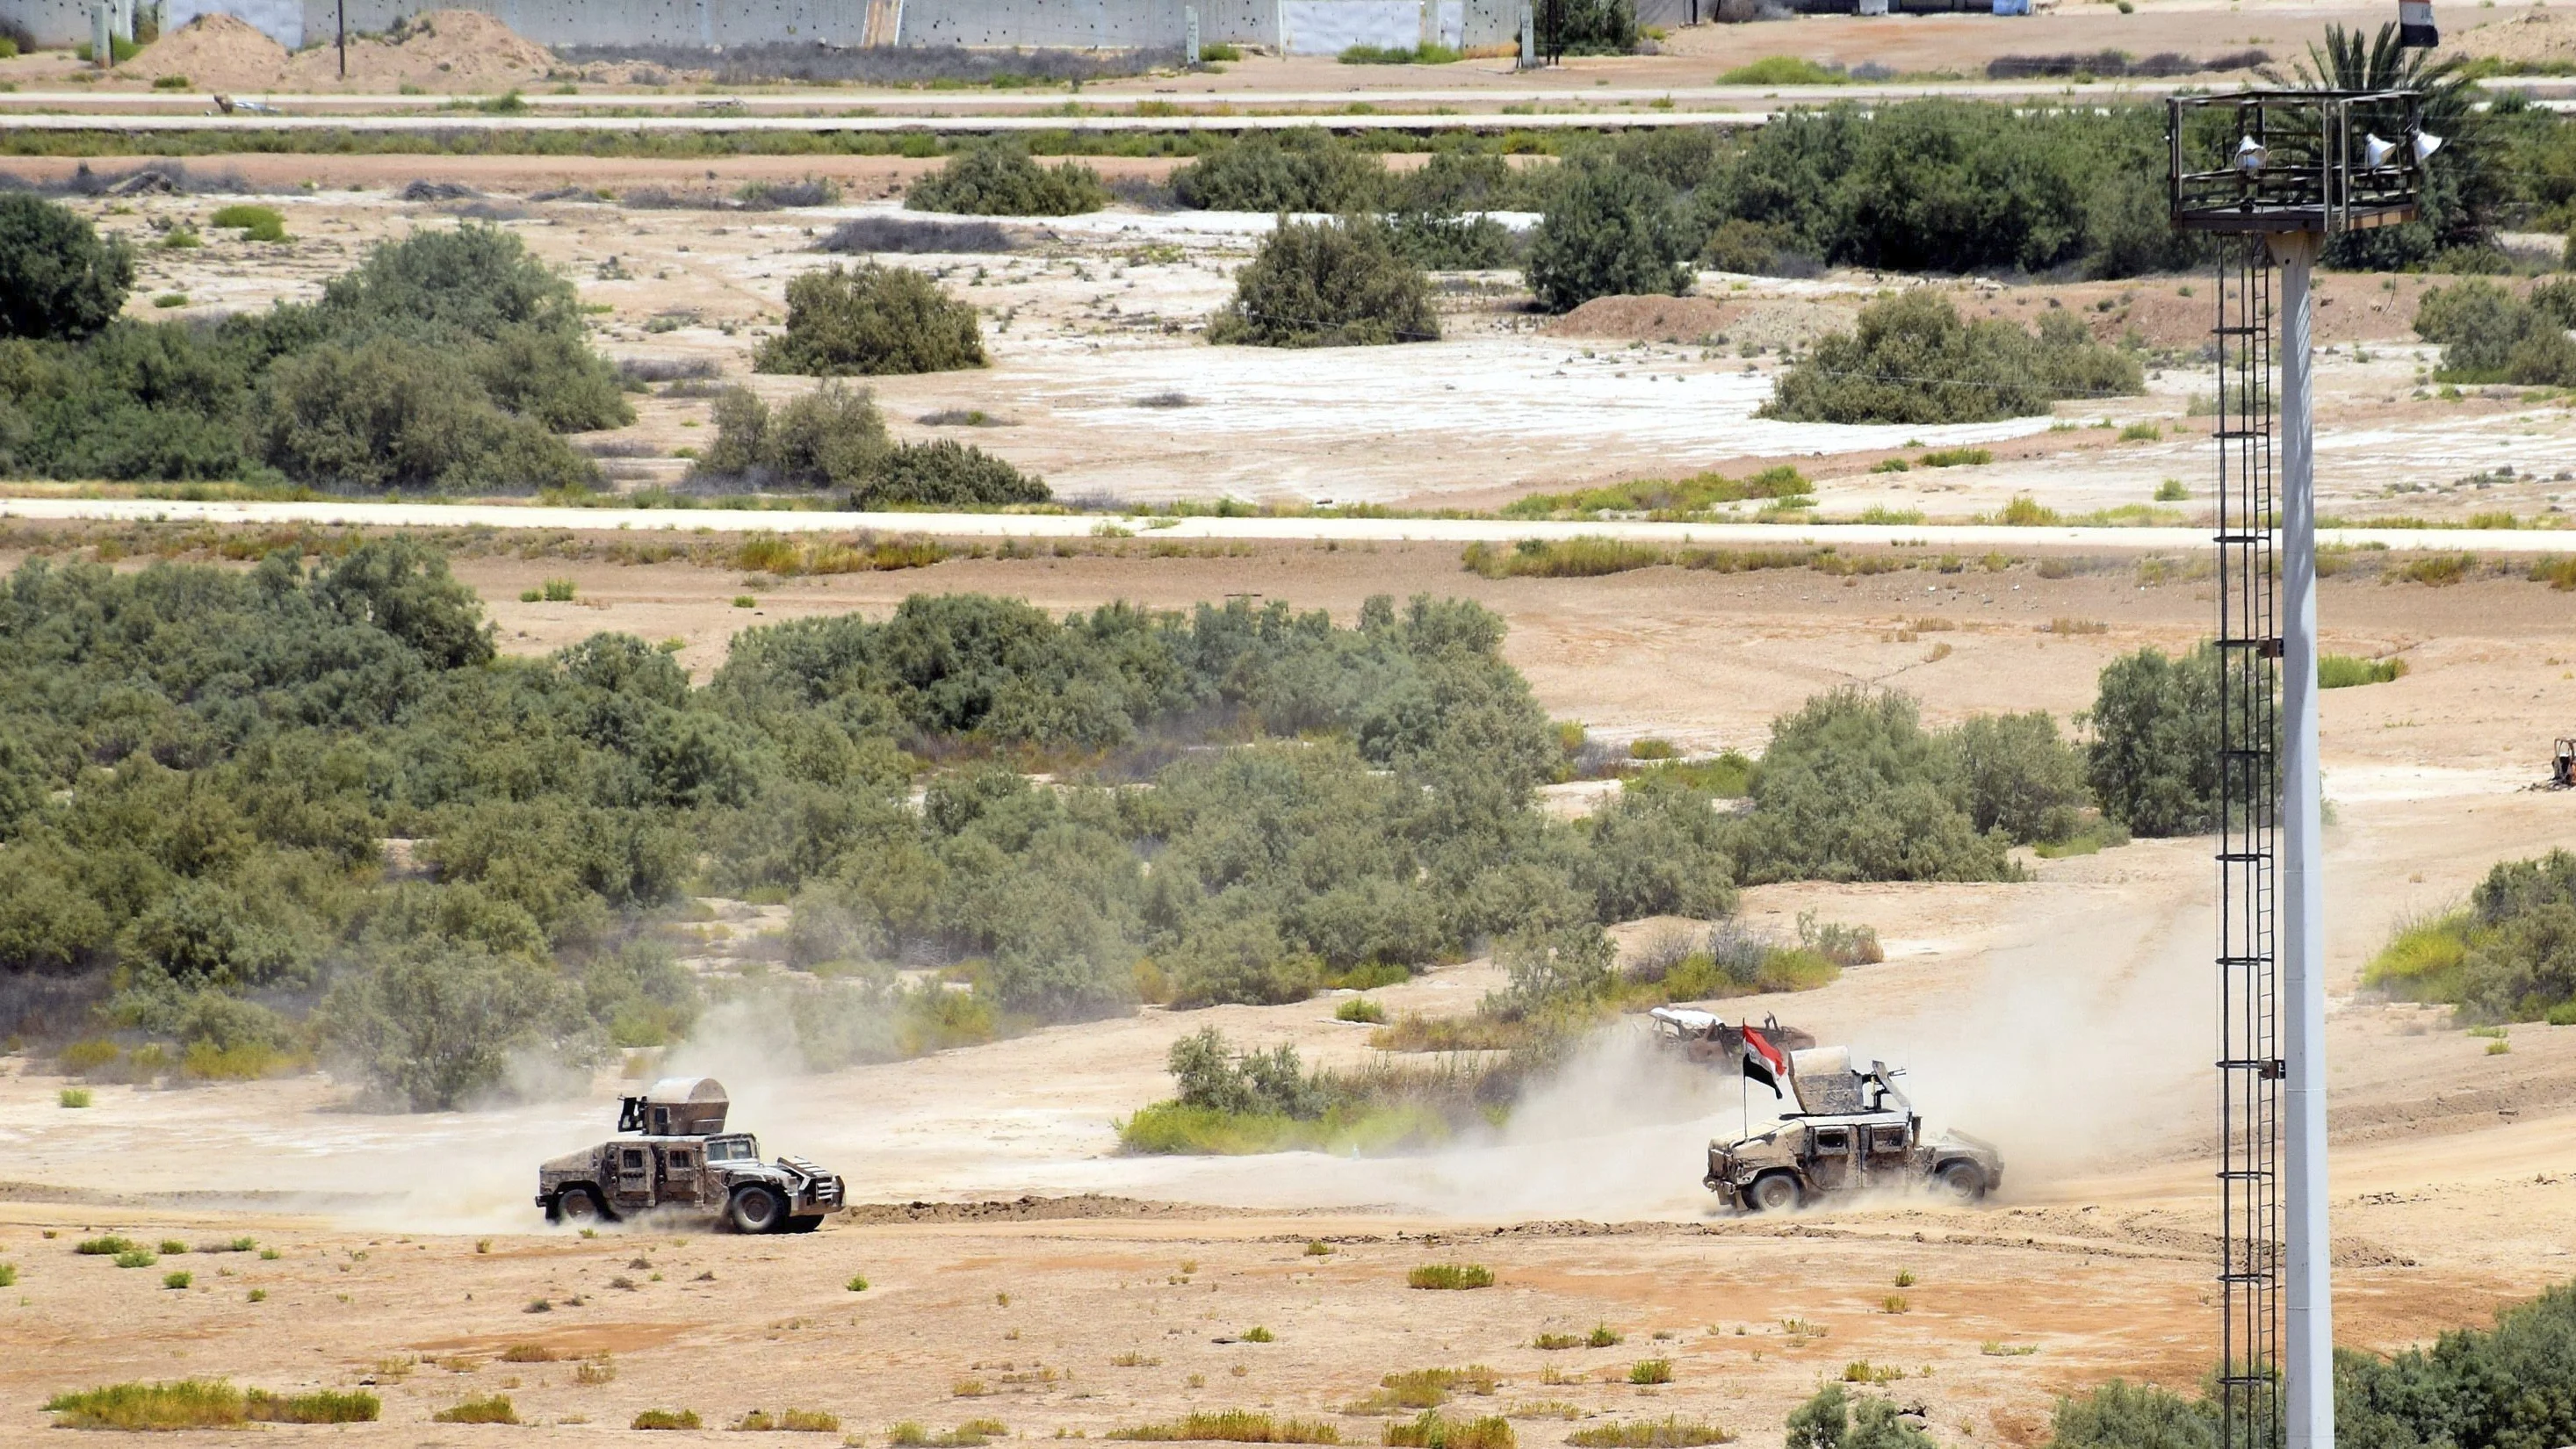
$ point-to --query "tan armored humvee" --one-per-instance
(685, 1160)
(1853, 1129)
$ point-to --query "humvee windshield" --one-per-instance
(733, 1149)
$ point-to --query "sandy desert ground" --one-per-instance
(1019, 1269)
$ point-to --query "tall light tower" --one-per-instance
(2271, 175)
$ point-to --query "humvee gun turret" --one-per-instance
(1853, 1130)
(684, 1160)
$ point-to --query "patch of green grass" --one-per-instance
(1783, 70)
(491, 1409)
(256, 223)
(1168, 1128)
(1360, 1008)
(169, 83)
(1424, 1389)
(1430, 1431)
(2172, 491)
(171, 1247)
(1231, 1426)
(103, 1247)
(8, 1275)
(137, 1258)
(1651, 1371)
(1578, 558)
(2425, 960)
(180, 1279)
(171, 299)
(2142, 433)
(2025, 512)
(184, 1404)
(789, 1421)
(1991, 1349)
(858, 1283)
(2439, 570)
(1258, 1334)
(1955, 458)
(1663, 498)
(2343, 671)
(1450, 1276)
(231, 1245)
(322, 1406)
(1397, 55)
(72, 1097)
(1673, 1432)
(667, 1419)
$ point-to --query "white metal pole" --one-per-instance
(2309, 1361)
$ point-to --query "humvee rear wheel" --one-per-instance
(1965, 1181)
(803, 1225)
(576, 1205)
(757, 1210)
(1775, 1192)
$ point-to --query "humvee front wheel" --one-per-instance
(1774, 1192)
(803, 1225)
(579, 1206)
(757, 1209)
(1962, 1180)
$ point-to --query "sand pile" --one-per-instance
(1652, 319)
(215, 52)
(443, 50)
(2531, 35)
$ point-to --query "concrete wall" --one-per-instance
(1077, 24)
(48, 23)
(615, 22)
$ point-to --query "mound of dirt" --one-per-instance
(442, 50)
(214, 51)
(2530, 36)
(1648, 319)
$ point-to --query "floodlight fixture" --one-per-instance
(2250, 154)
(2375, 152)
(2426, 143)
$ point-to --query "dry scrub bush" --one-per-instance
(871, 320)
(997, 178)
(1328, 284)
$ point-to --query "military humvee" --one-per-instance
(1853, 1130)
(685, 1160)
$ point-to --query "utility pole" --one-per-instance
(344, 38)
(2269, 176)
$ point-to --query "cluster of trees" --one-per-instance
(835, 438)
(2500, 1388)
(449, 360)
(997, 178)
(2489, 334)
(1913, 359)
(2508, 955)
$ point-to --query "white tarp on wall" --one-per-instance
(280, 20)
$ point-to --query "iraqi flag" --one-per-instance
(1764, 1062)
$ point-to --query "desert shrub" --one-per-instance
(1327, 284)
(903, 234)
(58, 279)
(2345, 671)
(1609, 231)
(997, 178)
(2490, 1388)
(395, 414)
(1211, 1075)
(1231, 1426)
(832, 437)
(948, 474)
(255, 222)
(1853, 788)
(1292, 171)
(1589, 27)
(2510, 956)
(2123, 1415)
(433, 1028)
(2490, 335)
(666, 1419)
(1913, 360)
(1450, 1276)
(871, 320)
(1671, 1432)
(490, 1409)
(1830, 1419)
(2018, 776)
(321, 1406)
(1445, 241)
(2153, 760)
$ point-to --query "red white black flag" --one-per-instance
(1764, 1062)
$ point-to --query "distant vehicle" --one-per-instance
(1853, 1130)
(684, 1160)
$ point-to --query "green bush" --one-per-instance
(435, 1027)
(2510, 956)
(1830, 1419)
(2019, 776)
(1853, 788)
(871, 320)
(1609, 231)
(1290, 171)
(254, 222)
(2490, 335)
(58, 279)
(2153, 761)
(1913, 360)
(834, 437)
(997, 178)
(1327, 284)
(2122, 1415)
(390, 413)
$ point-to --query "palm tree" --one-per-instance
(2460, 195)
